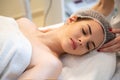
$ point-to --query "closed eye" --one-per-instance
(84, 32)
(90, 43)
(87, 46)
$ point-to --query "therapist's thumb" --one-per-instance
(113, 30)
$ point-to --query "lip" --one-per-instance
(74, 45)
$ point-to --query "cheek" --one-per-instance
(98, 39)
(76, 31)
(81, 51)
(68, 48)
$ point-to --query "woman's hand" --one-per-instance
(114, 45)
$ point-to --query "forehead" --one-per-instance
(97, 32)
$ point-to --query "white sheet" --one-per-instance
(93, 66)
(116, 75)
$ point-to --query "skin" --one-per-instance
(42, 66)
(82, 37)
(48, 46)
(104, 6)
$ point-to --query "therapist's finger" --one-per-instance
(114, 48)
(110, 50)
(113, 42)
(115, 30)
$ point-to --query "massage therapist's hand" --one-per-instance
(114, 45)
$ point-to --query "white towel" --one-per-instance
(15, 50)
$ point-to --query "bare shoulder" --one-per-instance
(42, 56)
(26, 26)
(44, 62)
(24, 22)
(23, 19)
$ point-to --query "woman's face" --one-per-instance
(82, 36)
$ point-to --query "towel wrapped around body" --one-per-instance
(15, 50)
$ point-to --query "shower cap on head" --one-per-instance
(101, 20)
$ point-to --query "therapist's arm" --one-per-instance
(104, 6)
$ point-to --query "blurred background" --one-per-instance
(43, 12)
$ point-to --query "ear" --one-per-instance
(71, 19)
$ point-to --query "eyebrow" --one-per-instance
(90, 31)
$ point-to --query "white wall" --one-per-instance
(15, 8)
(56, 13)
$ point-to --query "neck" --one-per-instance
(52, 40)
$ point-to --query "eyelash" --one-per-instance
(84, 32)
(87, 46)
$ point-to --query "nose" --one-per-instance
(83, 40)
(80, 43)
